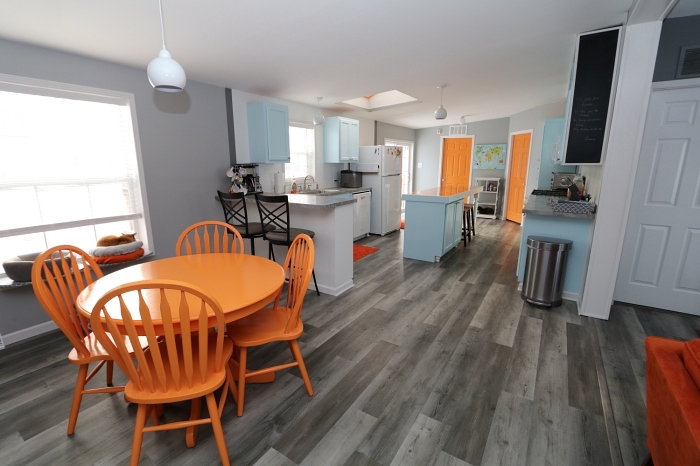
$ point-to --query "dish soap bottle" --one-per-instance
(294, 188)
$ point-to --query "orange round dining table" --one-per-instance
(241, 283)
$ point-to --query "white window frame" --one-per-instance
(305, 125)
(26, 85)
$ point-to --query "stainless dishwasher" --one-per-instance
(361, 217)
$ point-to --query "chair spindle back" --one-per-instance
(59, 274)
(185, 311)
(299, 265)
(209, 237)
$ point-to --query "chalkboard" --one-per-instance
(590, 107)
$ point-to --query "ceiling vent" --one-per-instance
(689, 64)
(458, 130)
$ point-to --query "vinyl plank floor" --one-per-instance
(436, 364)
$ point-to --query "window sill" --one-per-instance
(6, 283)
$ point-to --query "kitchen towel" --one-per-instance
(279, 183)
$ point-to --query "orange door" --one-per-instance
(456, 164)
(520, 155)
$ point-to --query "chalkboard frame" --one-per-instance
(579, 156)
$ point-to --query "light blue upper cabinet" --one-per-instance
(341, 140)
(268, 132)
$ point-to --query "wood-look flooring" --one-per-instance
(418, 364)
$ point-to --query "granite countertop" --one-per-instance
(310, 201)
(541, 205)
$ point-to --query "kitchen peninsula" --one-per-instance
(434, 222)
(331, 219)
(540, 219)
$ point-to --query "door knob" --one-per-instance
(442, 179)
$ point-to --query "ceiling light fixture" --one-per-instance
(164, 73)
(319, 119)
(463, 120)
(441, 113)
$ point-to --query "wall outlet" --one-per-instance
(420, 164)
(2, 343)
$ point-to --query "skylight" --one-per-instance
(381, 101)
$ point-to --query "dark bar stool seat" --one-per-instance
(274, 212)
(468, 223)
(236, 215)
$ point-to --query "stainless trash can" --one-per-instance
(544, 270)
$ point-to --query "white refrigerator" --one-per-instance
(381, 171)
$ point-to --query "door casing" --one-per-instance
(507, 172)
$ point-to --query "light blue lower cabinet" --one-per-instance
(431, 228)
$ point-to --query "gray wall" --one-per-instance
(385, 130)
(428, 149)
(184, 143)
(675, 33)
(534, 119)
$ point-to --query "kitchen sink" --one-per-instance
(310, 191)
(332, 191)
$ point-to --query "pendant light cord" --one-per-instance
(162, 29)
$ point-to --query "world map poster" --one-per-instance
(490, 156)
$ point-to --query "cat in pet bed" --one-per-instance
(112, 240)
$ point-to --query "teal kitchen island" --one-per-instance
(433, 222)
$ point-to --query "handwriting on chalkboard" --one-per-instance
(588, 111)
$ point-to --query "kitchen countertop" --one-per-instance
(541, 205)
(310, 201)
(441, 195)
(313, 201)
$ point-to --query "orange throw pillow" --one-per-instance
(120, 258)
(691, 359)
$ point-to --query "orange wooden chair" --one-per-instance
(197, 239)
(58, 276)
(277, 323)
(185, 360)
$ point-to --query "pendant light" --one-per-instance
(164, 73)
(319, 119)
(441, 113)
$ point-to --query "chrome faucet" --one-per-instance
(305, 178)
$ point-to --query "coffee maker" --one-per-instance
(251, 179)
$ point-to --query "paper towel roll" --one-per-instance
(279, 183)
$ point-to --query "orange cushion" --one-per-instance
(691, 359)
(120, 258)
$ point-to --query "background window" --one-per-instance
(302, 148)
(69, 169)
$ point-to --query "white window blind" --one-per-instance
(68, 169)
(302, 148)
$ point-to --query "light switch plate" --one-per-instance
(420, 164)
(439, 131)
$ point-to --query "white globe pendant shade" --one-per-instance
(440, 113)
(319, 119)
(165, 74)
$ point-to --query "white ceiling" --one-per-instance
(497, 57)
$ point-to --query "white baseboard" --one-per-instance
(337, 291)
(29, 332)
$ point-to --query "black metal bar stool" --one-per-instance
(236, 215)
(274, 212)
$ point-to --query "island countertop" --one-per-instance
(541, 205)
(441, 195)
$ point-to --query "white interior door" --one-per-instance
(660, 262)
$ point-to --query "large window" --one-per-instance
(69, 170)
(302, 148)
